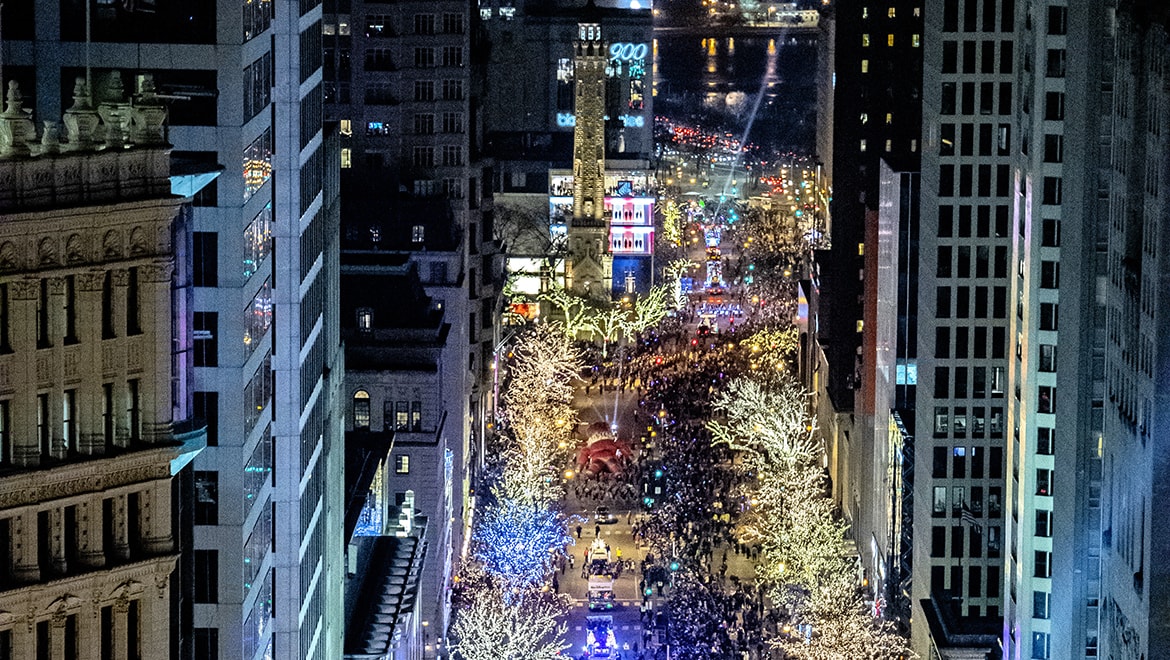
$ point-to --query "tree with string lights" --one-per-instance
(529, 626)
(518, 543)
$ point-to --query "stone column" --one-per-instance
(57, 634)
(89, 332)
(155, 615)
(89, 534)
(26, 449)
(121, 548)
(57, 544)
(24, 547)
(154, 294)
(121, 641)
(155, 517)
(89, 628)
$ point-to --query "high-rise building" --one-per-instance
(1134, 598)
(870, 79)
(965, 241)
(1059, 231)
(243, 89)
(95, 435)
(398, 79)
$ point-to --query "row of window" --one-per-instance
(61, 412)
(50, 325)
(969, 342)
(915, 40)
(963, 461)
(971, 9)
(986, 60)
(59, 534)
(955, 422)
(452, 155)
(49, 636)
(952, 103)
(425, 24)
(956, 261)
(205, 250)
(396, 415)
(991, 138)
(970, 510)
(974, 547)
(1000, 181)
(961, 296)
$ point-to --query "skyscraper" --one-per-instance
(1059, 233)
(243, 89)
(1134, 599)
(962, 345)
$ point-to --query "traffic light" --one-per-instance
(648, 501)
(674, 565)
(658, 473)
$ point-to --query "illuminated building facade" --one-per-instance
(95, 386)
(969, 91)
(1060, 232)
(242, 81)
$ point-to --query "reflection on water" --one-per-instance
(718, 80)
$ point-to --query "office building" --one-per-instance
(1060, 231)
(1134, 600)
(869, 79)
(95, 384)
(242, 85)
(969, 94)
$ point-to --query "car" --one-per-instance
(603, 516)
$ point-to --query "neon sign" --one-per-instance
(569, 120)
(628, 51)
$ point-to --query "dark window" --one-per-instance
(134, 409)
(133, 322)
(5, 448)
(1005, 56)
(944, 261)
(1056, 63)
(43, 315)
(947, 105)
(942, 342)
(70, 309)
(951, 16)
(108, 416)
(942, 377)
(968, 57)
(946, 180)
(945, 221)
(950, 57)
(108, 306)
(942, 302)
(995, 463)
(939, 470)
(206, 326)
(1048, 320)
(938, 541)
(5, 321)
(206, 498)
(205, 258)
(44, 431)
(1054, 106)
(1057, 20)
(206, 576)
(206, 643)
(1053, 148)
(1005, 98)
(1045, 441)
(1053, 193)
(206, 408)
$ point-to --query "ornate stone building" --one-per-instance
(93, 383)
(589, 268)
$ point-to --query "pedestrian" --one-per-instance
(578, 531)
(596, 530)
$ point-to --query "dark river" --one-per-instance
(716, 81)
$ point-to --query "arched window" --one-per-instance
(361, 411)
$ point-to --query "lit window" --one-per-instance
(889, 145)
(890, 40)
(365, 319)
(865, 117)
(860, 326)
(417, 233)
(402, 464)
(865, 66)
(863, 145)
(865, 40)
(915, 40)
(889, 118)
(346, 158)
(891, 12)
(346, 127)
(861, 249)
(361, 410)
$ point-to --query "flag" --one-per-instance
(969, 517)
